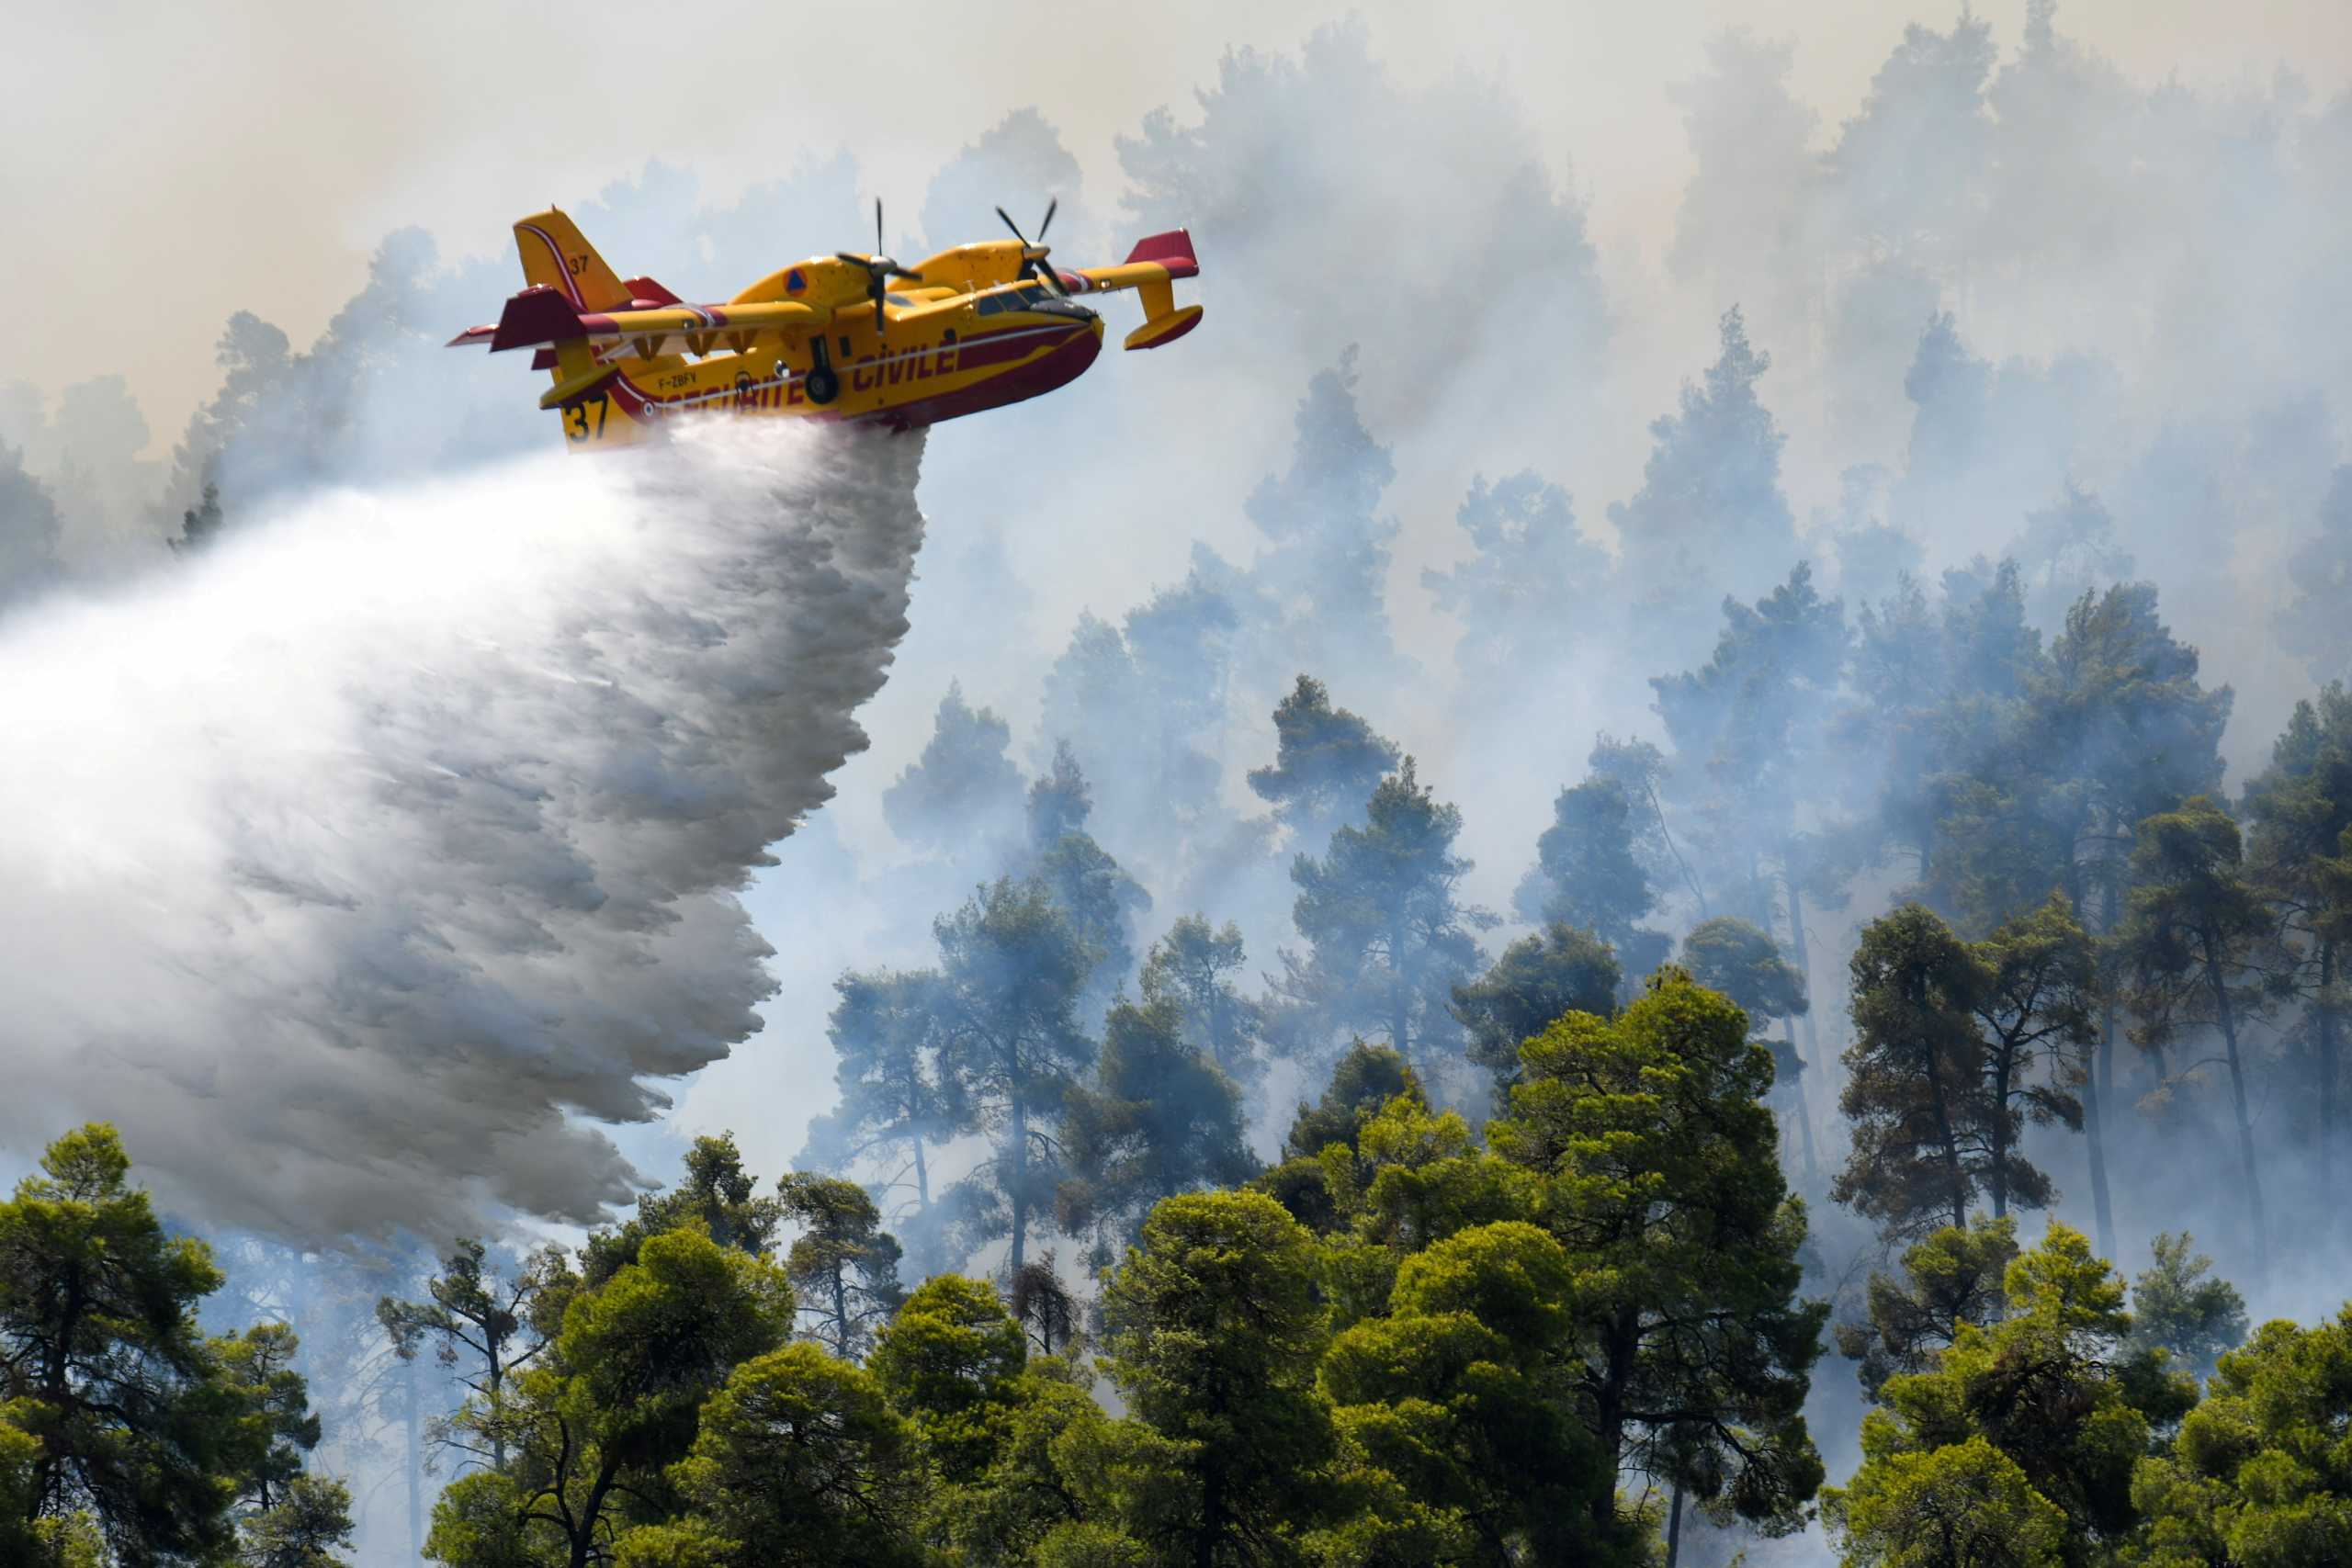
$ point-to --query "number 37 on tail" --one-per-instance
(841, 337)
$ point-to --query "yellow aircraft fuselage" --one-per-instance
(969, 329)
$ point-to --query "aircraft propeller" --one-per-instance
(1029, 266)
(879, 269)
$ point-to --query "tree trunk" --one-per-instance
(415, 1458)
(2326, 1022)
(57, 1360)
(2102, 1210)
(1400, 1007)
(1212, 1516)
(2098, 1093)
(1020, 1181)
(586, 1541)
(1620, 1341)
(1674, 1527)
(922, 1175)
(1812, 1057)
(1804, 1111)
(2228, 1019)
(1950, 1144)
(496, 1380)
(2000, 1171)
(840, 1312)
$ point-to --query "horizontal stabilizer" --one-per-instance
(539, 314)
(644, 294)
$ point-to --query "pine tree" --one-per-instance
(591, 1429)
(1539, 979)
(1212, 1333)
(1528, 559)
(961, 788)
(718, 1191)
(1326, 763)
(843, 1267)
(1328, 569)
(130, 1426)
(2041, 1417)
(1011, 970)
(1588, 873)
(200, 524)
(2176, 1308)
(496, 1317)
(2299, 853)
(1710, 514)
(2194, 924)
(1730, 955)
(2038, 1013)
(1189, 967)
(1388, 939)
(900, 1090)
(1096, 895)
(1161, 1118)
(1694, 1352)
(799, 1461)
(1915, 1077)
(1951, 1277)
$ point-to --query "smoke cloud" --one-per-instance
(359, 868)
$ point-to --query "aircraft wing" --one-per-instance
(540, 317)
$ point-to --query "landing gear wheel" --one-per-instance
(823, 386)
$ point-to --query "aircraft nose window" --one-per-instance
(997, 304)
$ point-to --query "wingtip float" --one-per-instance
(840, 337)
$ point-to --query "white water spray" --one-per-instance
(359, 865)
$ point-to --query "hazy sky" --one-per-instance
(169, 166)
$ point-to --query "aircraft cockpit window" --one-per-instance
(1034, 293)
(898, 300)
(997, 304)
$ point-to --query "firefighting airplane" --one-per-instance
(972, 328)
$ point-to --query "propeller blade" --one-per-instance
(1053, 204)
(878, 225)
(1009, 223)
(853, 260)
(879, 328)
(902, 272)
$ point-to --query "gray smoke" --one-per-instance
(359, 868)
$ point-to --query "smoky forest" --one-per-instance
(1534, 904)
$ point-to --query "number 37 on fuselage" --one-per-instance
(843, 337)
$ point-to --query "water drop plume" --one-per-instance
(359, 867)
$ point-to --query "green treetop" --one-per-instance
(2177, 1307)
(2261, 1473)
(136, 1423)
(1663, 1184)
(843, 1267)
(2045, 1410)
(718, 1192)
(1556, 971)
(591, 1430)
(1212, 1333)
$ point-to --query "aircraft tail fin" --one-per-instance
(1163, 322)
(1173, 250)
(556, 254)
